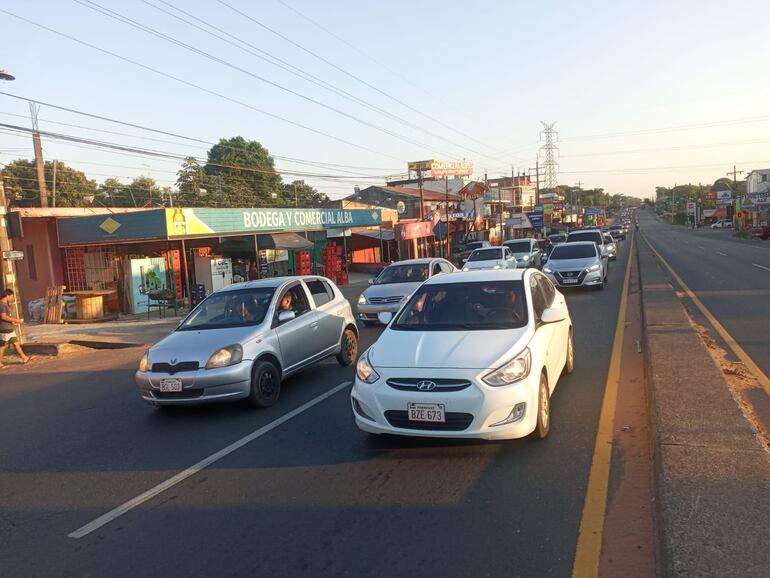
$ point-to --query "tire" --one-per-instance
(569, 365)
(348, 348)
(543, 425)
(265, 385)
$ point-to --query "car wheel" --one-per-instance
(348, 348)
(265, 385)
(569, 366)
(543, 425)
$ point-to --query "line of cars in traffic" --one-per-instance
(471, 354)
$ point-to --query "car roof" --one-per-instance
(488, 248)
(269, 283)
(578, 243)
(420, 261)
(479, 275)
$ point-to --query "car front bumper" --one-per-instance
(584, 280)
(200, 386)
(379, 408)
(369, 311)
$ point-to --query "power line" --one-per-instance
(144, 28)
(351, 75)
(284, 65)
(196, 86)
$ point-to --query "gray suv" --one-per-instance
(241, 341)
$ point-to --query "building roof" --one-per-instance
(428, 195)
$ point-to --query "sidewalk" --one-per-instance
(135, 330)
(712, 473)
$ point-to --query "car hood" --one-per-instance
(571, 264)
(391, 289)
(197, 345)
(448, 349)
(483, 264)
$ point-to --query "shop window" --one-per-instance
(29, 255)
(320, 291)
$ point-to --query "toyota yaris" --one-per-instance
(469, 355)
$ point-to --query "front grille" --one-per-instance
(184, 394)
(176, 368)
(442, 385)
(579, 275)
(455, 421)
(379, 300)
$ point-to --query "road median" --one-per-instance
(712, 472)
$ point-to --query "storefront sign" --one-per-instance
(691, 208)
(593, 211)
(756, 199)
(472, 191)
(536, 219)
(518, 221)
(547, 208)
(13, 255)
(447, 169)
(417, 230)
(186, 222)
(420, 165)
(117, 228)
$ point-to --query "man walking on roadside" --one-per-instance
(8, 329)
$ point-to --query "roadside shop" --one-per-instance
(168, 257)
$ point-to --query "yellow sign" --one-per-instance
(110, 225)
(740, 214)
(420, 165)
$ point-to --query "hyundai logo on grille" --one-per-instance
(426, 385)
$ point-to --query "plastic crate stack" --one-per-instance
(331, 256)
(303, 264)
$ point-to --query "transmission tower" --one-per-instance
(550, 166)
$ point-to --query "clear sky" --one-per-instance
(449, 80)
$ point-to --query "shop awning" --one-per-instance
(288, 241)
(387, 234)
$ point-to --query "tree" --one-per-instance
(300, 194)
(193, 184)
(242, 173)
(146, 191)
(73, 188)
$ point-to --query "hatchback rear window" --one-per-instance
(486, 254)
(594, 236)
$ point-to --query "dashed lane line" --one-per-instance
(761, 267)
(196, 468)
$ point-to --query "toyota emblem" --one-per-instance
(426, 385)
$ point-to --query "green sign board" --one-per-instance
(201, 222)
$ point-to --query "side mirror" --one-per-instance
(384, 317)
(553, 315)
(285, 316)
(465, 260)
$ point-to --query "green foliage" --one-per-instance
(300, 194)
(21, 186)
(242, 173)
(195, 187)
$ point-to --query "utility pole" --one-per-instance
(446, 198)
(8, 265)
(296, 201)
(220, 200)
(735, 174)
(38, 148)
(422, 198)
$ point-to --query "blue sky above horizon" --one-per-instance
(476, 81)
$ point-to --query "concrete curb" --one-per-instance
(711, 472)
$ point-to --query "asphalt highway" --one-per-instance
(312, 496)
(730, 276)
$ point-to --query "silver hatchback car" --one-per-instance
(241, 341)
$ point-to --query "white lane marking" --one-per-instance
(720, 253)
(761, 267)
(701, 247)
(204, 463)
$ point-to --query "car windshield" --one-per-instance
(594, 236)
(486, 254)
(558, 238)
(570, 251)
(241, 308)
(519, 246)
(473, 246)
(408, 273)
(465, 306)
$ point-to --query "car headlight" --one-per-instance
(225, 357)
(365, 371)
(497, 267)
(594, 267)
(361, 299)
(466, 269)
(513, 371)
(144, 363)
(547, 270)
(525, 258)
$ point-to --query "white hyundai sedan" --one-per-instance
(470, 355)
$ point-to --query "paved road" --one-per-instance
(730, 276)
(313, 497)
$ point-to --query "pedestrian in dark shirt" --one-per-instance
(8, 329)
